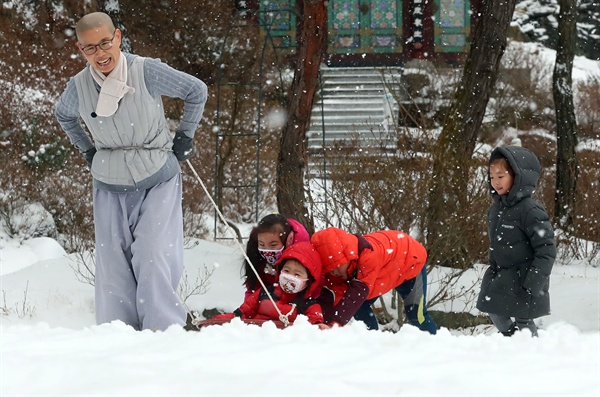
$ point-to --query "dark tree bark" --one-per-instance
(447, 228)
(293, 154)
(115, 13)
(566, 124)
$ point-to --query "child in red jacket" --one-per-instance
(361, 268)
(264, 248)
(300, 282)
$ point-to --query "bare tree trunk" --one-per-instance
(566, 124)
(448, 223)
(113, 9)
(293, 148)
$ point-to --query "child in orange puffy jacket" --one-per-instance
(300, 282)
(361, 268)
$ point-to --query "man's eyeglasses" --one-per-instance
(104, 45)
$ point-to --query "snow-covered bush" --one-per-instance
(23, 220)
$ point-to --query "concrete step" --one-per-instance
(365, 79)
(360, 72)
(355, 77)
(355, 101)
(317, 131)
(375, 144)
(352, 106)
(362, 134)
(351, 95)
(351, 120)
(363, 142)
(339, 123)
(347, 91)
(351, 79)
(351, 110)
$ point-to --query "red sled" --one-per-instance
(205, 323)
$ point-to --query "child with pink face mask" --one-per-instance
(264, 248)
(300, 280)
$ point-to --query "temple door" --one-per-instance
(365, 26)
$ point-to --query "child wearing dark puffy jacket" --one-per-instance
(300, 281)
(514, 289)
(265, 245)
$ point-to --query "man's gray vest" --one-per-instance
(134, 144)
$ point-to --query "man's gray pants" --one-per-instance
(139, 256)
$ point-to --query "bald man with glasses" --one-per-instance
(134, 162)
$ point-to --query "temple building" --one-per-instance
(380, 32)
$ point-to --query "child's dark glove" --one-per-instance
(183, 148)
(89, 156)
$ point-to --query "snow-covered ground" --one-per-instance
(51, 346)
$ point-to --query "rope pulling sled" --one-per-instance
(283, 318)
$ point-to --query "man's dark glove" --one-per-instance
(89, 156)
(183, 147)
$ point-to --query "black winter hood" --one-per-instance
(527, 169)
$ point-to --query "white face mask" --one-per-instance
(291, 284)
(271, 256)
